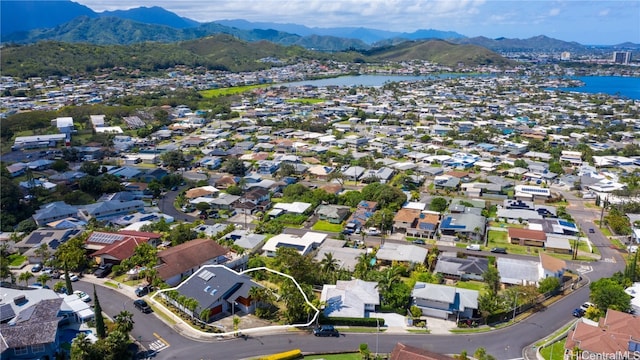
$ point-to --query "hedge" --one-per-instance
(287, 355)
(343, 321)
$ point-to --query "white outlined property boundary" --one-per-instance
(216, 336)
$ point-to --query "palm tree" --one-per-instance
(43, 252)
(44, 279)
(329, 263)
(191, 304)
(124, 321)
(204, 315)
(25, 276)
(362, 267)
(389, 277)
(80, 347)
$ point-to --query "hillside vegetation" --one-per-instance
(218, 52)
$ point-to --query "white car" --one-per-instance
(372, 231)
(632, 249)
(82, 295)
(72, 277)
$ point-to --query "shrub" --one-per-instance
(369, 322)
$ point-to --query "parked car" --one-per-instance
(578, 312)
(474, 247)
(591, 231)
(419, 242)
(36, 268)
(632, 249)
(326, 330)
(103, 270)
(82, 295)
(587, 305)
(72, 277)
(142, 306)
(499, 250)
(142, 290)
(372, 231)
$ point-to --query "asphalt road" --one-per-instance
(505, 343)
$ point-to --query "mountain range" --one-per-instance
(29, 21)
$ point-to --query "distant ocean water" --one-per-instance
(623, 86)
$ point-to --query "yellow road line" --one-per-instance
(161, 339)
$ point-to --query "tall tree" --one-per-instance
(491, 278)
(67, 280)
(97, 309)
(608, 294)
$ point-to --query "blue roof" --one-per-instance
(426, 226)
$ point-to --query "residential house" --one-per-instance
(295, 207)
(446, 182)
(52, 238)
(110, 209)
(529, 192)
(346, 257)
(218, 289)
(183, 260)
(225, 181)
(334, 214)
(405, 219)
(613, 336)
(54, 211)
(404, 253)
(202, 191)
(354, 173)
(468, 225)
(364, 211)
(99, 240)
(530, 272)
(320, 172)
(254, 200)
(246, 239)
(445, 302)
(469, 268)
(32, 333)
(303, 244)
(353, 298)
(527, 237)
(118, 250)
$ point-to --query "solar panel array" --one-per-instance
(6, 312)
(105, 238)
(205, 275)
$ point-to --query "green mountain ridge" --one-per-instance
(217, 52)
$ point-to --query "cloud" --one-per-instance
(554, 12)
(604, 12)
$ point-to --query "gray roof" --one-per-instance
(459, 299)
(36, 324)
(348, 298)
(400, 252)
(214, 283)
(516, 271)
(346, 257)
(54, 210)
(459, 266)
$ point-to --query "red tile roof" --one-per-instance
(193, 253)
(610, 336)
(527, 234)
(406, 352)
(121, 250)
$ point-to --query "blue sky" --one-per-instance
(602, 22)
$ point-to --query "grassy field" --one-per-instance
(322, 225)
(231, 90)
(305, 101)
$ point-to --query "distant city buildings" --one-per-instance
(622, 57)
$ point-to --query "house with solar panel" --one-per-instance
(221, 290)
(50, 237)
(468, 225)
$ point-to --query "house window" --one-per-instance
(38, 348)
(22, 350)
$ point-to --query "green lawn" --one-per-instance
(471, 285)
(557, 348)
(322, 225)
(348, 356)
(16, 259)
(500, 239)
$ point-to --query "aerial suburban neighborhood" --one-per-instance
(469, 200)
